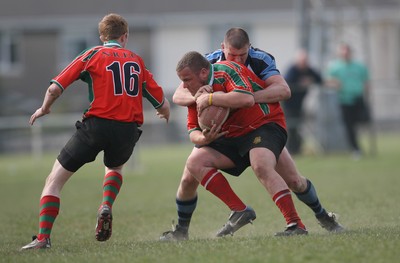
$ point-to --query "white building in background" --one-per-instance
(38, 38)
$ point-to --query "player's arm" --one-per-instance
(205, 137)
(164, 111)
(276, 89)
(52, 94)
(198, 136)
(155, 95)
(233, 100)
(182, 96)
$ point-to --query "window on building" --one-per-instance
(10, 52)
(140, 43)
(74, 42)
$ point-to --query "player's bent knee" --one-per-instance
(193, 165)
(262, 170)
(189, 181)
(296, 186)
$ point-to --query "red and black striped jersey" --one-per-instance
(117, 82)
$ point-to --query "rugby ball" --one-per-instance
(213, 115)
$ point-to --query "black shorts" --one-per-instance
(270, 136)
(93, 135)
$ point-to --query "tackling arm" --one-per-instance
(231, 100)
(182, 96)
(276, 90)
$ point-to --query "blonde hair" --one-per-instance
(112, 27)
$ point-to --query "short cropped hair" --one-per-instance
(194, 61)
(112, 27)
(237, 38)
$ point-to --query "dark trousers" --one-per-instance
(295, 139)
(350, 119)
(294, 121)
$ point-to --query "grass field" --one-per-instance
(364, 193)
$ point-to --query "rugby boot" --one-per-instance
(104, 223)
(237, 220)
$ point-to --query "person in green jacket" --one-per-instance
(351, 79)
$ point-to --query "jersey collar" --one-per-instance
(222, 57)
(211, 75)
(112, 43)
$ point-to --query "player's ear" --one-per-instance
(204, 73)
(124, 39)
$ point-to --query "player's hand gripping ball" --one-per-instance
(213, 115)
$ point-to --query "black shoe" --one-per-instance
(329, 222)
(237, 220)
(178, 233)
(292, 230)
(104, 223)
(37, 244)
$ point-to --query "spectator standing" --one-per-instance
(300, 78)
(351, 79)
